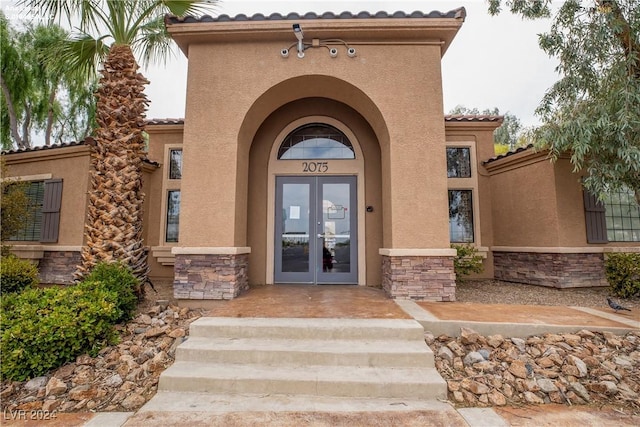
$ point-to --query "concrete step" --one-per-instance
(315, 329)
(347, 381)
(298, 352)
(249, 402)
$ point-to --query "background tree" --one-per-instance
(109, 31)
(593, 110)
(508, 136)
(39, 93)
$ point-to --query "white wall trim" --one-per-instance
(566, 250)
(232, 250)
(25, 178)
(417, 252)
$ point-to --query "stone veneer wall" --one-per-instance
(429, 278)
(210, 276)
(558, 270)
(57, 267)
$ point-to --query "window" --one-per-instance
(462, 184)
(622, 216)
(316, 141)
(175, 164)
(173, 215)
(171, 189)
(33, 222)
(458, 162)
(460, 216)
(43, 219)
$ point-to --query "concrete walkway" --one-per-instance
(264, 409)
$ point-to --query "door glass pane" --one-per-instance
(336, 225)
(295, 227)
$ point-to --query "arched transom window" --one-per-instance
(316, 141)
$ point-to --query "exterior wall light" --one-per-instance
(333, 52)
(351, 52)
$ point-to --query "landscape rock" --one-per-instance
(113, 380)
(585, 367)
(35, 384)
(55, 387)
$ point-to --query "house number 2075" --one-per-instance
(319, 167)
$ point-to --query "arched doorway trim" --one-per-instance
(296, 167)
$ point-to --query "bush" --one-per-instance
(41, 329)
(623, 274)
(119, 279)
(16, 274)
(467, 260)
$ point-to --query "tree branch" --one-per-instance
(13, 120)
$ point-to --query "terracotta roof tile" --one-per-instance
(43, 147)
(472, 118)
(455, 13)
(164, 122)
(508, 153)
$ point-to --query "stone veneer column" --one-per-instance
(419, 274)
(558, 270)
(210, 273)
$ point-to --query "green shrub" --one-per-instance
(623, 274)
(41, 329)
(117, 278)
(467, 260)
(16, 274)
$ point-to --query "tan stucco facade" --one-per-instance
(381, 88)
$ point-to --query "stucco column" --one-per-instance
(417, 261)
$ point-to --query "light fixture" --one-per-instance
(299, 35)
(351, 52)
(333, 52)
(284, 53)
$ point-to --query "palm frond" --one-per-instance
(153, 44)
(81, 52)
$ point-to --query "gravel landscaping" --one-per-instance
(581, 368)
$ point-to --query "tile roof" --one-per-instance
(455, 13)
(472, 118)
(43, 147)
(508, 153)
(61, 145)
(164, 122)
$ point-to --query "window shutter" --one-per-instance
(51, 210)
(594, 212)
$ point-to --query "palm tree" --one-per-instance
(109, 33)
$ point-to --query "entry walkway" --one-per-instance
(354, 302)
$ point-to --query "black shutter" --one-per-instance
(51, 210)
(594, 215)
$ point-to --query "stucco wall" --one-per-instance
(223, 88)
(71, 164)
(525, 202)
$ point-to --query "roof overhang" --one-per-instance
(363, 28)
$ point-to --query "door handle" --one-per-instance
(320, 236)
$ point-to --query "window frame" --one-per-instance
(168, 185)
(466, 184)
(610, 217)
(331, 129)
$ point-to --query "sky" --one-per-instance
(492, 62)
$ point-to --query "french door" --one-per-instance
(316, 239)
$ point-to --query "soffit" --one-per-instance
(362, 28)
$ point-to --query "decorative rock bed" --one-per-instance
(120, 378)
(582, 368)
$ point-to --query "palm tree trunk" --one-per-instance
(113, 228)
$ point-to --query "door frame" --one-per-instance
(316, 197)
(342, 167)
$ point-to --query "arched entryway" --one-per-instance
(334, 184)
(316, 168)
